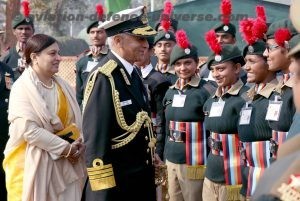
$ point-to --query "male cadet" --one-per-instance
(116, 116)
(23, 29)
(157, 86)
(6, 80)
(225, 32)
(96, 53)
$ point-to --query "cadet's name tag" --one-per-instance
(245, 116)
(178, 100)
(90, 65)
(273, 111)
(127, 102)
(216, 109)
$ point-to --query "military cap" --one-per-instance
(25, 18)
(22, 20)
(281, 181)
(174, 24)
(100, 12)
(294, 44)
(285, 23)
(164, 36)
(223, 28)
(183, 48)
(133, 21)
(256, 48)
(229, 52)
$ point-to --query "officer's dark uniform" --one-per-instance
(82, 72)
(12, 57)
(158, 86)
(117, 126)
(6, 80)
(168, 71)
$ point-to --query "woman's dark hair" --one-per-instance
(36, 44)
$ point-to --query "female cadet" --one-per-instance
(185, 148)
(281, 108)
(223, 177)
(253, 128)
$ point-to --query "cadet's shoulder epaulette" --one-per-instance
(108, 67)
(210, 88)
(245, 97)
(105, 69)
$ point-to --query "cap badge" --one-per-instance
(187, 50)
(225, 28)
(250, 49)
(218, 58)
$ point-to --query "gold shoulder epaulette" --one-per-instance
(101, 176)
(106, 69)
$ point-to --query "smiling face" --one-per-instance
(46, 63)
(185, 68)
(226, 74)
(256, 68)
(130, 47)
(163, 49)
(276, 57)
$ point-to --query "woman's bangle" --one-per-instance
(69, 152)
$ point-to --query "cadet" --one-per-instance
(185, 148)
(164, 42)
(91, 59)
(225, 32)
(223, 176)
(23, 29)
(253, 129)
(294, 68)
(6, 81)
(116, 117)
(156, 85)
(281, 109)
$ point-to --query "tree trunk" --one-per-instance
(12, 9)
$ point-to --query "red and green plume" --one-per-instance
(212, 42)
(182, 39)
(26, 8)
(100, 10)
(225, 9)
(281, 36)
(166, 16)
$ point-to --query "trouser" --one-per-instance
(215, 191)
(181, 188)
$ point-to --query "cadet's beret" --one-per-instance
(133, 21)
(294, 44)
(22, 20)
(285, 23)
(256, 48)
(229, 52)
(222, 28)
(281, 180)
(100, 12)
(183, 49)
(174, 24)
(163, 36)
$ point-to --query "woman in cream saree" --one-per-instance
(43, 156)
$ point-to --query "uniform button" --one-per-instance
(7, 111)
(148, 150)
(146, 137)
(147, 162)
(6, 100)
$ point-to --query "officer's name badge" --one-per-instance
(127, 102)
